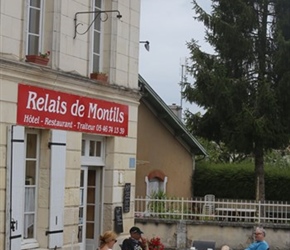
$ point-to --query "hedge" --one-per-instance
(237, 181)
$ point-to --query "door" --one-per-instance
(90, 208)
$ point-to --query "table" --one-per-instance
(235, 214)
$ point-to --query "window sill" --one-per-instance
(29, 244)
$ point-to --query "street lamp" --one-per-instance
(146, 45)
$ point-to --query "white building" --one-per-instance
(67, 142)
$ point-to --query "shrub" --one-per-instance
(237, 181)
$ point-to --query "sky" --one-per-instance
(168, 25)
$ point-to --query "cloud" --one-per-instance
(167, 25)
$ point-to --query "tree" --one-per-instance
(244, 86)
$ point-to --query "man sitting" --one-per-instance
(135, 241)
(259, 243)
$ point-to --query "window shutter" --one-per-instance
(17, 164)
(57, 187)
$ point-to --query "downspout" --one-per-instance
(193, 169)
(113, 47)
(56, 34)
(193, 162)
(193, 172)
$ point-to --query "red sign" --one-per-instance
(46, 108)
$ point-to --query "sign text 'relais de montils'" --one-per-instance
(48, 108)
(59, 106)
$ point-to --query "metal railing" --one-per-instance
(216, 210)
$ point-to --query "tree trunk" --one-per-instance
(259, 173)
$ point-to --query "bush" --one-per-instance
(237, 181)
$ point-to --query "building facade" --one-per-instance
(67, 142)
(165, 149)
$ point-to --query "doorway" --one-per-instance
(89, 227)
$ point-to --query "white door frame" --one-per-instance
(95, 163)
(84, 200)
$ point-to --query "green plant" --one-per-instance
(157, 205)
(45, 55)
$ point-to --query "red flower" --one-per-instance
(155, 244)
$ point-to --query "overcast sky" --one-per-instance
(168, 25)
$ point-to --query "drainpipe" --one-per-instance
(56, 34)
(193, 172)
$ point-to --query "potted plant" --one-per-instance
(41, 58)
(99, 76)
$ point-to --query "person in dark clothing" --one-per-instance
(135, 241)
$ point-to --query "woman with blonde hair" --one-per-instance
(107, 240)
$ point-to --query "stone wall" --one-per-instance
(181, 234)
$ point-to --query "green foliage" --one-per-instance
(219, 153)
(160, 203)
(245, 85)
(236, 181)
(278, 158)
(157, 205)
(160, 195)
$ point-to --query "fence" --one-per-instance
(213, 210)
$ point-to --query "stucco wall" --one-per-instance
(68, 72)
(157, 148)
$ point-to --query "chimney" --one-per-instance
(177, 110)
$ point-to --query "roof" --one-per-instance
(168, 118)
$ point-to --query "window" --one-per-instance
(97, 38)
(24, 212)
(34, 27)
(155, 186)
(31, 170)
(93, 148)
(155, 182)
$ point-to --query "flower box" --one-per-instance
(102, 77)
(37, 59)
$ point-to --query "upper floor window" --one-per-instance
(97, 38)
(34, 27)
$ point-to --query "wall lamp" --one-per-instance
(146, 45)
(98, 13)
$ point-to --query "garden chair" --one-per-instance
(208, 207)
(203, 245)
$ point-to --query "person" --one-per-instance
(225, 247)
(259, 243)
(135, 241)
(107, 240)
